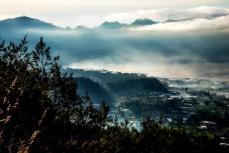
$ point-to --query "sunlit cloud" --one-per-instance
(217, 24)
(168, 14)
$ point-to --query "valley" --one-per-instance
(174, 100)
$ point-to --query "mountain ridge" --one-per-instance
(26, 22)
(30, 22)
(143, 22)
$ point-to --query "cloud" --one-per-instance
(166, 14)
(199, 24)
(196, 47)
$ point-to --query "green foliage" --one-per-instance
(38, 102)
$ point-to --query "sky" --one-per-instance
(92, 12)
(194, 45)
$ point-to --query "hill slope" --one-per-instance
(23, 22)
(136, 86)
(94, 90)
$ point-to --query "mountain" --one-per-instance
(102, 85)
(136, 86)
(24, 22)
(143, 22)
(178, 20)
(96, 92)
(118, 25)
(103, 76)
(84, 28)
(112, 25)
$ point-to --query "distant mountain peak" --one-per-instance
(25, 22)
(112, 25)
(178, 20)
(24, 18)
(142, 22)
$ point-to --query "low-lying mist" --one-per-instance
(157, 53)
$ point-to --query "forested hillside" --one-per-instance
(136, 86)
(96, 91)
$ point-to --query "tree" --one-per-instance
(37, 101)
(41, 57)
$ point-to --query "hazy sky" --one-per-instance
(91, 12)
